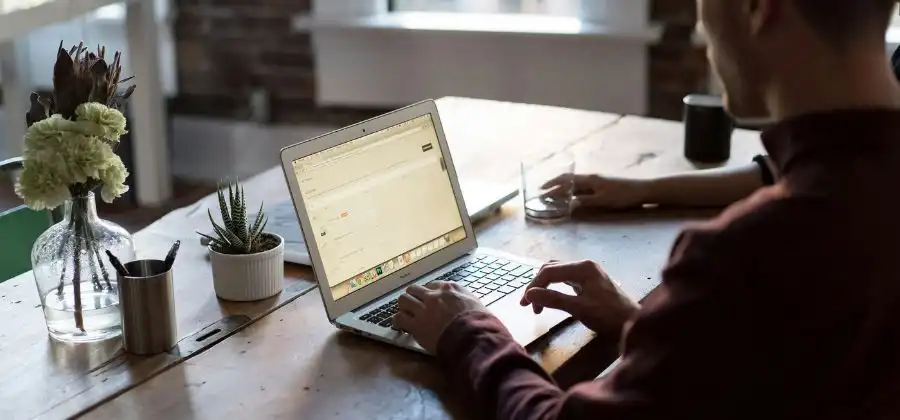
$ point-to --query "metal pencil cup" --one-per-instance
(147, 304)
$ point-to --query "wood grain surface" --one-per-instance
(47, 379)
(294, 364)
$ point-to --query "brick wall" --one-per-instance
(677, 67)
(228, 49)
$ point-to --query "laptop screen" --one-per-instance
(379, 203)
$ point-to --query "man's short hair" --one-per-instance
(843, 21)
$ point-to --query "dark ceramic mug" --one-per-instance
(707, 129)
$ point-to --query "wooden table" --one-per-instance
(19, 17)
(47, 379)
(294, 364)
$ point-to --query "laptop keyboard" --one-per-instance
(489, 278)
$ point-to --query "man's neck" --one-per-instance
(865, 81)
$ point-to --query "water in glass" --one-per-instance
(548, 187)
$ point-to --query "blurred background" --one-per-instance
(239, 79)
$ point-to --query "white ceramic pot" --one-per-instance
(249, 277)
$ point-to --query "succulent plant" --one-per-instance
(235, 235)
(80, 77)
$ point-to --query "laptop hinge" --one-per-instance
(405, 285)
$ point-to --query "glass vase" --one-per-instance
(75, 280)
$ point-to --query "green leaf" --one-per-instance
(223, 208)
(232, 201)
(235, 211)
(233, 240)
(242, 232)
(211, 238)
(214, 241)
(211, 220)
(256, 224)
(263, 227)
(225, 235)
(216, 227)
(249, 248)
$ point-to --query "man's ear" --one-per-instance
(761, 14)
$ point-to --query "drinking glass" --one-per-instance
(548, 187)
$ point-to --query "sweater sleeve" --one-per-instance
(679, 352)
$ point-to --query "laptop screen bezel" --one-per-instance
(336, 308)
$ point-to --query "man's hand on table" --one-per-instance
(599, 303)
(425, 312)
(605, 192)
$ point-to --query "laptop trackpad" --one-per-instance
(521, 321)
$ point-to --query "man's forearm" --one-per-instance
(712, 187)
(494, 373)
(498, 379)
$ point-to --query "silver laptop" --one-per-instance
(380, 208)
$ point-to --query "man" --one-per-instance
(705, 188)
(787, 305)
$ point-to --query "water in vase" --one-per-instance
(75, 280)
(100, 312)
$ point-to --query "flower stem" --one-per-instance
(60, 256)
(94, 252)
(103, 270)
(79, 224)
(90, 247)
(76, 280)
(95, 279)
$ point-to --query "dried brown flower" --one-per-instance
(80, 76)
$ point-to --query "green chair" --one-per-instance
(19, 228)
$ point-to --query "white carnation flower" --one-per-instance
(43, 183)
(113, 178)
(85, 156)
(45, 134)
(61, 154)
(110, 120)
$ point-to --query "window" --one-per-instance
(104, 25)
(893, 32)
(568, 8)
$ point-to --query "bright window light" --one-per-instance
(111, 12)
(489, 23)
(567, 8)
(7, 6)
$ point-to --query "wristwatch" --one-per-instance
(768, 175)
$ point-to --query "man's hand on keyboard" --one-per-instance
(425, 312)
(598, 303)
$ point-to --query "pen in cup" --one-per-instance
(170, 257)
(117, 264)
